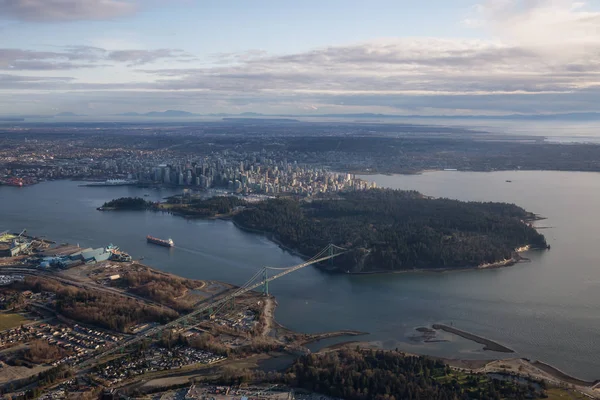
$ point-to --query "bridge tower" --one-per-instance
(265, 282)
(330, 253)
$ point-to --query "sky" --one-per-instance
(402, 57)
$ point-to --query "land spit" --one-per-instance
(488, 344)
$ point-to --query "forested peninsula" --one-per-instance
(392, 230)
(126, 203)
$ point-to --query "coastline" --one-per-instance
(270, 236)
(487, 344)
(499, 264)
(548, 369)
(521, 367)
(510, 367)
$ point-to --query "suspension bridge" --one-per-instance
(261, 278)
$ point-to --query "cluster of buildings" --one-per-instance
(243, 320)
(78, 341)
(26, 160)
(80, 387)
(271, 392)
(6, 280)
(83, 256)
(155, 359)
(242, 171)
(256, 174)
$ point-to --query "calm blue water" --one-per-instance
(547, 309)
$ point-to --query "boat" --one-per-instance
(160, 242)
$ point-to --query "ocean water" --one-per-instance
(546, 309)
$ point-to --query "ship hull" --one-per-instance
(160, 242)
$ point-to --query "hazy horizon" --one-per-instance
(469, 58)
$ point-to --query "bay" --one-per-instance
(547, 309)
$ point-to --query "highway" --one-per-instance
(259, 279)
(249, 286)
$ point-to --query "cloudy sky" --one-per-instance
(405, 57)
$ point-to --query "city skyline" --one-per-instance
(496, 57)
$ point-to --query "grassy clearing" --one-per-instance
(9, 321)
(565, 394)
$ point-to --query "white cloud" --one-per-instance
(77, 57)
(64, 10)
(559, 27)
(544, 57)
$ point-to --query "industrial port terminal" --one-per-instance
(43, 256)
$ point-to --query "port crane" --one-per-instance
(259, 279)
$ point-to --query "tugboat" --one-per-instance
(160, 242)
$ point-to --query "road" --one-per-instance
(268, 310)
(209, 304)
(77, 283)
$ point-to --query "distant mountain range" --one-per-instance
(168, 113)
(588, 116)
(69, 114)
(249, 116)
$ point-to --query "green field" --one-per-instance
(565, 394)
(8, 321)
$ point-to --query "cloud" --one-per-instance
(394, 66)
(139, 57)
(18, 78)
(564, 27)
(244, 56)
(543, 57)
(77, 57)
(20, 82)
(64, 10)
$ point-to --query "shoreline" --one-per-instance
(488, 345)
(557, 373)
(521, 367)
(499, 264)
(270, 236)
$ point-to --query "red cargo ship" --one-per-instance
(160, 242)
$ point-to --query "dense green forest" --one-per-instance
(396, 230)
(389, 375)
(206, 208)
(127, 203)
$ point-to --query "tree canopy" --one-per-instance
(389, 230)
(389, 375)
(127, 203)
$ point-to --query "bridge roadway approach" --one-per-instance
(259, 279)
(76, 283)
